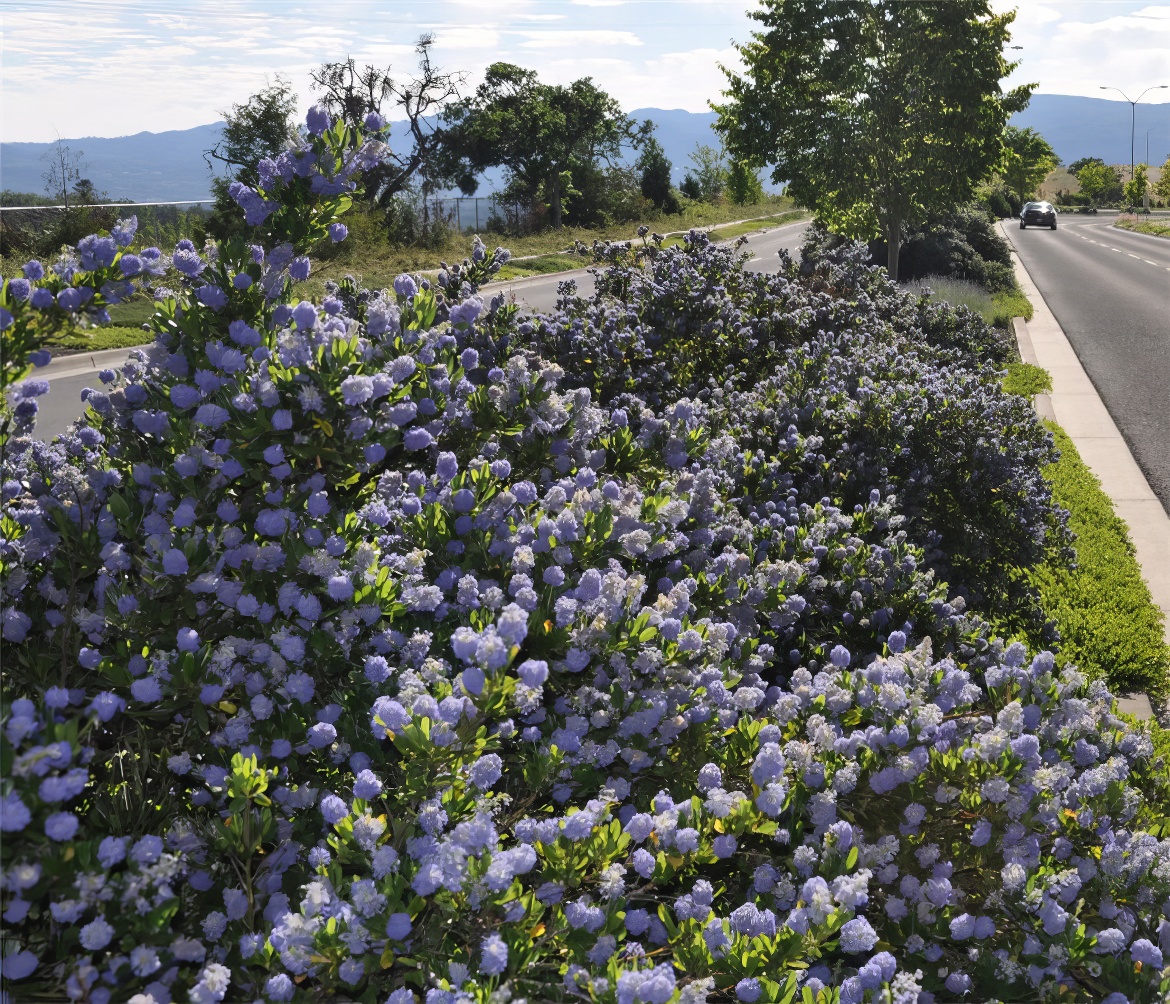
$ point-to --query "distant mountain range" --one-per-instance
(168, 166)
(1097, 127)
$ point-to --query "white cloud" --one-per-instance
(570, 39)
(121, 66)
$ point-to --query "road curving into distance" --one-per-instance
(68, 376)
(1110, 291)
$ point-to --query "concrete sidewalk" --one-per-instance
(1075, 405)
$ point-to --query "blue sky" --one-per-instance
(79, 68)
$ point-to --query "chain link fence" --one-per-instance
(40, 231)
(478, 214)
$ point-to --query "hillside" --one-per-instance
(145, 167)
(1097, 127)
(167, 166)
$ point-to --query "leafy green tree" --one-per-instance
(1161, 187)
(874, 111)
(1096, 178)
(743, 184)
(262, 126)
(1027, 159)
(1135, 188)
(537, 131)
(655, 176)
(708, 175)
(1076, 166)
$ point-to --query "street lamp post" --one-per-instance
(1133, 114)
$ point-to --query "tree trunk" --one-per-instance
(893, 245)
(554, 203)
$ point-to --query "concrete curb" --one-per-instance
(1075, 405)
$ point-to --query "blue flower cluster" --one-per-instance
(402, 646)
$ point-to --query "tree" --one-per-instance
(1135, 188)
(537, 131)
(709, 175)
(1076, 166)
(351, 94)
(655, 175)
(743, 184)
(85, 193)
(1161, 188)
(63, 167)
(1095, 178)
(1027, 160)
(263, 126)
(874, 111)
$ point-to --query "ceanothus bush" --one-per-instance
(403, 646)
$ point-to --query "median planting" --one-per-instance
(402, 647)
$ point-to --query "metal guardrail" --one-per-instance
(113, 205)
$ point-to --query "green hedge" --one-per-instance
(1108, 623)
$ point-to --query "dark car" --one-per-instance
(1038, 214)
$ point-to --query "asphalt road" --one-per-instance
(1110, 291)
(68, 376)
(539, 292)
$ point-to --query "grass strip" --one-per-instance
(1109, 625)
(97, 339)
(366, 256)
(1144, 227)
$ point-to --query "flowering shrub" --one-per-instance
(403, 646)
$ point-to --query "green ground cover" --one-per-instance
(1027, 380)
(1108, 622)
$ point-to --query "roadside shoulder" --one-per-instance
(1141, 233)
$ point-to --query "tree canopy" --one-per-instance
(875, 112)
(1137, 186)
(262, 126)
(1027, 159)
(654, 178)
(708, 175)
(538, 131)
(1161, 187)
(1096, 178)
(351, 94)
